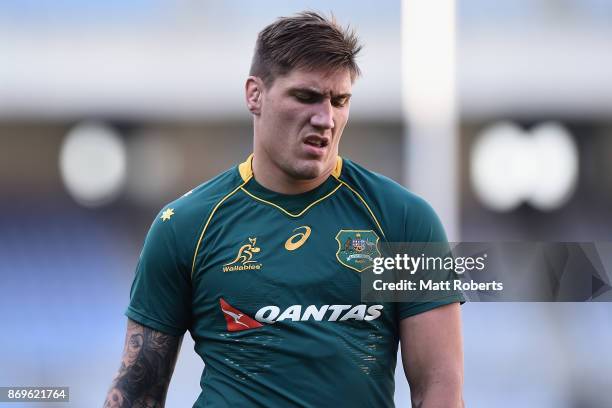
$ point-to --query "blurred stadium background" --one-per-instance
(110, 109)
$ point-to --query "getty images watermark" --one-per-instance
(437, 264)
(484, 271)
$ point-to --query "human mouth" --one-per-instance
(315, 145)
(317, 141)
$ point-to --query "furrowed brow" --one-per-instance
(317, 93)
(310, 91)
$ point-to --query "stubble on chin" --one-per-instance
(303, 172)
(308, 169)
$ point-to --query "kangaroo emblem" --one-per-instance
(235, 316)
(245, 253)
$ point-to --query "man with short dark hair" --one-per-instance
(262, 263)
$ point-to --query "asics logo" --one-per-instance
(297, 240)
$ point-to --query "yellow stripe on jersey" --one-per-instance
(246, 172)
(338, 169)
(287, 212)
(246, 168)
(365, 204)
(212, 213)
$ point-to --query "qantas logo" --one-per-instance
(236, 320)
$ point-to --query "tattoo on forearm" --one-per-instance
(147, 365)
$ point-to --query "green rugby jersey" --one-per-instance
(269, 287)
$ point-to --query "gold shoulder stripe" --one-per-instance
(366, 206)
(212, 213)
(246, 168)
(338, 168)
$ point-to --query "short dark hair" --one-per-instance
(306, 40)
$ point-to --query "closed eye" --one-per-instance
(340, 101)
(307, 97)
(310, 97)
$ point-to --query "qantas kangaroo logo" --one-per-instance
(236, 320)
(236, 317)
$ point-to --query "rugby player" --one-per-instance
(262, 263)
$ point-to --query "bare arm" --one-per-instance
(432, 355)
(148, 361)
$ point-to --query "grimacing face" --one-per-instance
(300, 122)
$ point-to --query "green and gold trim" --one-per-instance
(210, 216)
(293, 215)
(246, 168)
(246, 173)
(342, 182)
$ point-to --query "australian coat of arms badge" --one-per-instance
(357, 248)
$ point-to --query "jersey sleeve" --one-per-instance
(160, 296)
(424, 226)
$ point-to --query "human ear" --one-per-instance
(253, 94)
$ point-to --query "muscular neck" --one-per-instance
(275, 180)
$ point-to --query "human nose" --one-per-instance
(323, 116)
